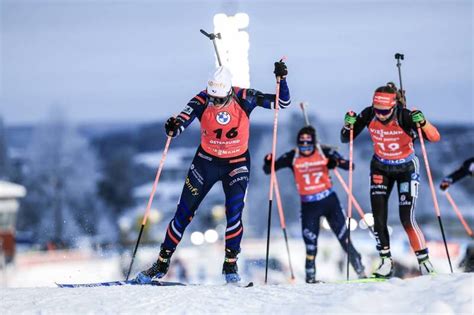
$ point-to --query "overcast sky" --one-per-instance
(142, 60)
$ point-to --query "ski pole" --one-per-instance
(399, 57)
(433, 192)
(270, 194)
(150, 201)
(349, 206)
(458, 213)
(354, 201)
(213, 37)
(281, 213)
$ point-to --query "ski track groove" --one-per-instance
(443, 294)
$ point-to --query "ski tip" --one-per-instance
(167, 283)
(239, 284)
(119, 283)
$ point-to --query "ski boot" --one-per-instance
(361, 274)
(425, 266)
(311, 276)
(159, 268)
(359, 268)
(310, 269)
(230, 269)
(385, 269)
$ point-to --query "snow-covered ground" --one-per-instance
(203, 263)
(442, 294)
(28, 286)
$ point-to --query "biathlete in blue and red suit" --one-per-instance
(393, 129)
(223, 111)
(311, 171)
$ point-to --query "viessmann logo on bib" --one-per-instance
(223, 118)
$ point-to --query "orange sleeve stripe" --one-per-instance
(172, 237)
(244, 94)
(186, 117)
(200, 99)
(431, 132)
(234, 234)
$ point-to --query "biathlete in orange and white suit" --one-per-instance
(318, 199)
(393, 129)
(224, 112)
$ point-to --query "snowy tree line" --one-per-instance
(79, 179)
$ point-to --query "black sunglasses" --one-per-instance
(383, 112)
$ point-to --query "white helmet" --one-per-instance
(220, 83)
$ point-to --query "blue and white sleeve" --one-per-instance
(253, 98)
(193, 109)
(284, 98)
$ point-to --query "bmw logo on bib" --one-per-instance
(223, 118)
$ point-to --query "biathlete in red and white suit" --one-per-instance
(393, 129)
(224, 112)
(311, 172)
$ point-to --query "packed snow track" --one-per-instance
(442, 294)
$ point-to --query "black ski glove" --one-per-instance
(172, 127)
(332, 164)
(445, 184)
(267, 163)
(280, 69)
(341, 163)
